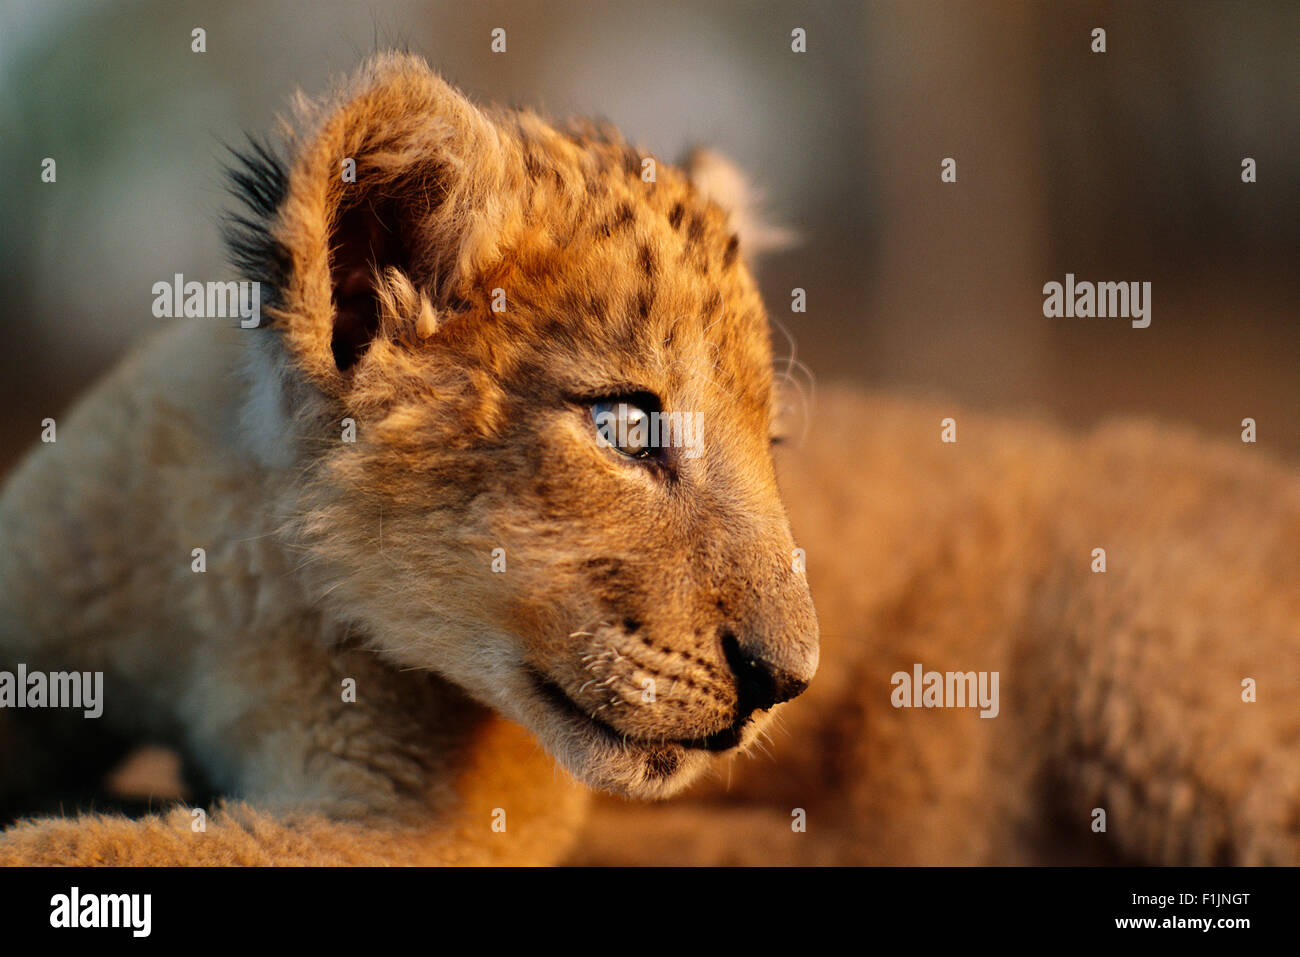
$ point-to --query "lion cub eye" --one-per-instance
(623, 426)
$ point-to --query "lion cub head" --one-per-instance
(517, 391)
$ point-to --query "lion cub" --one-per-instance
(433, 502)
(495, 473)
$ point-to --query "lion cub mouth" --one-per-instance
(719, 741)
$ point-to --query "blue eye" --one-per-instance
(623, 426)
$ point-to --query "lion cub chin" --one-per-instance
(498, 448)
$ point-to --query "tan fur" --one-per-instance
(1119, 690)
(372, 560)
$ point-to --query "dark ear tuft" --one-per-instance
(259, 181)
(397, 190)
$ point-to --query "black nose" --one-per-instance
(759, 685)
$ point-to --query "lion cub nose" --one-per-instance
(759, 684)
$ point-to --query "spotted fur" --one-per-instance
(373, 558)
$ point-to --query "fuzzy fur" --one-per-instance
(372, 560)
(1120, 690)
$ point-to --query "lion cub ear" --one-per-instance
(394, 197)
(722, 182)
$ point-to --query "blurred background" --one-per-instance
(1122, 166)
